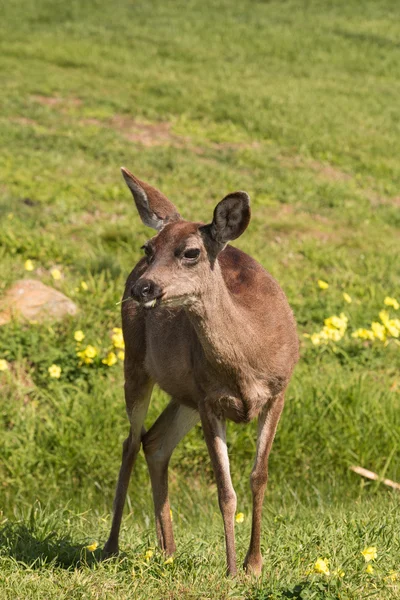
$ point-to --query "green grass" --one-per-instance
(295, 102)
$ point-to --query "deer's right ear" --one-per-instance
(154, 208)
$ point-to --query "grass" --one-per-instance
(295, 102)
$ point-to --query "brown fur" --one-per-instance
(221, 341)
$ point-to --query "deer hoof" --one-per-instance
(253, 565)
(110, 550)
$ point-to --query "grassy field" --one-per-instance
(295, 102)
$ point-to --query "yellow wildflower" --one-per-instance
(384, 316)
(79, 336)
(322, 284)
(393, 327)
(92, 547)
(369, 569)
(347, 298)
(84, 286)
(88, 354)
(369, 553)
(321, 566)
(363, 334)
(56, 274)
(171, 515)
(316, 339)
(330, 333)
(169, 561)
(337, 322)
(148, 555)
(378, 331)
(29, 266)
(117, 338)
(121, 355)
(393, 576)
(3, 364)
(239, 517)
(54, 371)
(391, 302)
(90, 351)
(334, 329)
(110, 359)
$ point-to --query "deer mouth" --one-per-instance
(151, 303)
(176, 301)
(169, 301)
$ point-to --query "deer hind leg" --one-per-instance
(137, 397)
(267, 424)
(214, 429)
(158, 444)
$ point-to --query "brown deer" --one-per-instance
(214, 330)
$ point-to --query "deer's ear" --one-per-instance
(154, 208)
(231, 217)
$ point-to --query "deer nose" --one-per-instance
(145, 290)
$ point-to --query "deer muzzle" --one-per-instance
(146, 292)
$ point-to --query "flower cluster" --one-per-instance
(381, 330)
(334, 329)
(370, 554)
(117, 338)
(82, 287)
(88, 354)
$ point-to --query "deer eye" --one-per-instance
(148, 250)
(191, 253)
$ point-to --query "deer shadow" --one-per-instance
(28, 547)
(300, 591)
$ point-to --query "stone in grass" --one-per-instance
(34, 301)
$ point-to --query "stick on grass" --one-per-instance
(375, 477)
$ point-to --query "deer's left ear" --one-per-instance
(231, 218)
(154, 208)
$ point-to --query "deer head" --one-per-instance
(182, 257)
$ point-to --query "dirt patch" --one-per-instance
(285, 222)
(325, 170)
(56, 100)
(385, 200)
(97, 216)
(23, 121)
(95, 122)
(330, 172)
(159, 134)
(379, 200)
(147, 134)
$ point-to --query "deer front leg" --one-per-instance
(158, 444)
(137, 397)
(214, 430)
(267, 424)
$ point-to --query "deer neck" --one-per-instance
(219, 324)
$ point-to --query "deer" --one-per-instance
(206, 323)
